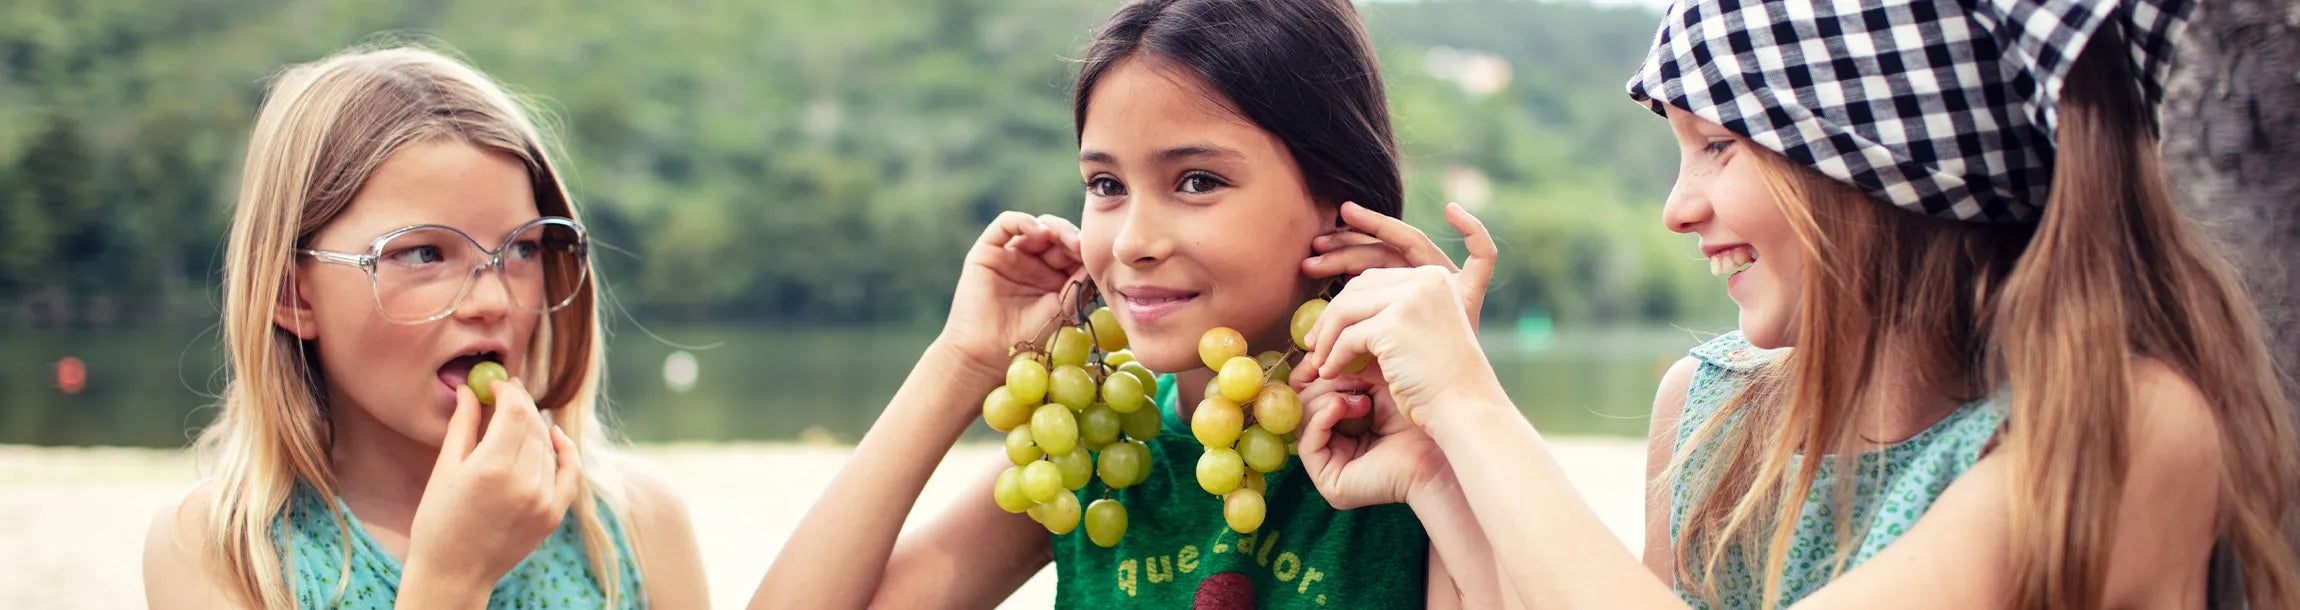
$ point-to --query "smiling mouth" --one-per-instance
(1732, 261)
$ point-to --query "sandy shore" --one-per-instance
(72, 520)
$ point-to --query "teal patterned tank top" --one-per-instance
(557, 575)
(1894, 486)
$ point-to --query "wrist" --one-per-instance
(1464, 408)
(429, 589)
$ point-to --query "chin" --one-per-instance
(1166, 355)
(1764, 333)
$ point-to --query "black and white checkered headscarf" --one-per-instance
(1945, 108)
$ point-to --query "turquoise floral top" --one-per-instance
(557, 575)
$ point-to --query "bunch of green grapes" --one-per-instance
(1080, 409)
(1248, 418)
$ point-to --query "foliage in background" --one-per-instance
(806, 160)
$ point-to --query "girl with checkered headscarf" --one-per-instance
(1982, 360)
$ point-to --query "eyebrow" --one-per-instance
(1194, 151)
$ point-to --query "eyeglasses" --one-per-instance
(422, 273)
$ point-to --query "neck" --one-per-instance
(1899, 403)
(380, 472)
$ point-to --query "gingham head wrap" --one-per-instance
(1941, 108)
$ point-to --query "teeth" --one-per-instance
(1731, 261)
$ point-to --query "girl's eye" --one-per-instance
(1199, 183)
(1716, 147)
(414, 256)
(1104, 186)
(523, 250)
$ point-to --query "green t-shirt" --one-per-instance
(1305, 555)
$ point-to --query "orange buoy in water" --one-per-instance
(71, 375)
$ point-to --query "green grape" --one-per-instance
(1239, 380)
(1077, 468)
(1108, 335)
(1061, 514)
(1124, 464)
(1305, 317)
(1278, 408)
(1123, 393)
(1099, 425)
(1037, 512)
(482, 380)
(1055, 429)
(1217, 422)
(1020, 448)
(1118, 358)
(1070, 346)
(1071, 387)
(1244, 510)
(1219, 345)
(1041, 481)
(1262, 450)
(1144, 424)
(1220, 470)
(1149, 379)
(1002, 412)
(1008, 491)
(1293, 443)
(1212, 389)
(1258, 482)
(1358, 364)
(1026, 379)
(1274, 366)
(1105, 522)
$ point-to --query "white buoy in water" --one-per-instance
(680, 371)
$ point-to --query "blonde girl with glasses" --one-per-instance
(399, 223)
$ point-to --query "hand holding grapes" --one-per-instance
(1386, 465)
(1012, 283)
(1419, 323)
(491, 499)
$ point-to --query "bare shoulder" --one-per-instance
(662, 536)
(1669, 399)
(2169, 508)
(2172, 431)
(176, 571)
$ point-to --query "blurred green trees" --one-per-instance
(805, 160)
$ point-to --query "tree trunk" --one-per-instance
(2232, 148)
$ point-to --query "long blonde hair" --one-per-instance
(324, 129)
(2045, 317)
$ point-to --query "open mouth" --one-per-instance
(1731, 261)
(458, 370)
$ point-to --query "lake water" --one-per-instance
(155, 388)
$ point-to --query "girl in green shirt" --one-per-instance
(1226, 147)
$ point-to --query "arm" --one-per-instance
(972, 556)
(665, 539)
(2165, 518)
(1660, 444)
(1463, 571)
(840, 555)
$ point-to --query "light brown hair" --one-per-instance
(2045, 318)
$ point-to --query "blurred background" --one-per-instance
(785, 189)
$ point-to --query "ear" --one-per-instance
(1330, 217)
(291, 312)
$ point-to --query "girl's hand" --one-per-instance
(491, 500)
(1389, 464)
(1418, 324)
(1383, 242)
(1012, 284)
